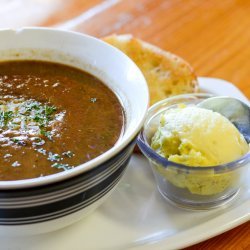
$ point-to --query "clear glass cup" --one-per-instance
(190, 187)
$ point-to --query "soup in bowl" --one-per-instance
(71, 107)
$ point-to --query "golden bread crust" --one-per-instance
(165, 73)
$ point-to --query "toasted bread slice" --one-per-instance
(165, 73)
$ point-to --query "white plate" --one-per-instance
(137, 217)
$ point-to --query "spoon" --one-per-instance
(235, 110)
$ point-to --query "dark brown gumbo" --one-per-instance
(52, 118)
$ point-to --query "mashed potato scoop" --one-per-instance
(233, 109)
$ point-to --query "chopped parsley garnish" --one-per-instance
(69, 154)
(28, 114)
(61, 166)
(5, 117)
(19, 141)
(49, 110)
(42, 114)
(28, 122)
(54, 157)
(42, 151)
(47, 134)
(37, 141)
(93, 99)
(15, 140)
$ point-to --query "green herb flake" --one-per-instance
(68, 154)
(93, 100)
(54, 157)
(61, 166)
(42, 151)
(47, 134)
(49, 110)
(15, 140)
(37, 141)
(5, 117)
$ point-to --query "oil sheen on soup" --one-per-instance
(53, 118)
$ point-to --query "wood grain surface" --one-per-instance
(213, 36)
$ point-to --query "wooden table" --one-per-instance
(214, 36)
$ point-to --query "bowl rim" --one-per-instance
(95, 162)
(152, 155)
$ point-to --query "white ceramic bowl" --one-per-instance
(51, 202)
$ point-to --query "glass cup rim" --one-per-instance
(151, 154)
